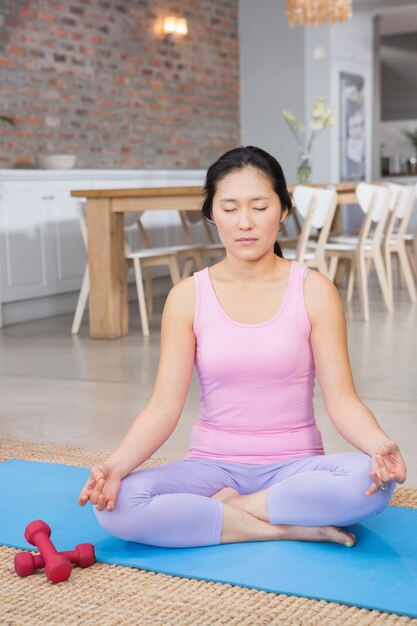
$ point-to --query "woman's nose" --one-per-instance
(245, 221)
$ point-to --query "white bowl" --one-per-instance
(56, 161)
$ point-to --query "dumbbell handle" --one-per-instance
(25, 563)
(45, 546)
(72, 555)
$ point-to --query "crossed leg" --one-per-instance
(240, 525)
(185, 504)
(308, 500)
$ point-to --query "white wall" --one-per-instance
(272, 79)
(317, 59)
(283, 68)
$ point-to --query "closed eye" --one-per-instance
(260, 208)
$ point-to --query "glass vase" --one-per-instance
(304, 168)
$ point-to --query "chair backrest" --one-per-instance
(194, 217)
(133, 222)
(317, 207)
(406, 198)
(374, 200)
(130, 219)
(402, 203)
(325, 200)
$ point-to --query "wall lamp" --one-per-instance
(174, 27)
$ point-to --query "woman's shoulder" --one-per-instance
(181, 299)
(314, 280)
(184, 289)
(321, 296)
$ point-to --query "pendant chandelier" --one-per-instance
(316, 12)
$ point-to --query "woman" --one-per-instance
(258, 328)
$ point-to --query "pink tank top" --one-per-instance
(256, 380)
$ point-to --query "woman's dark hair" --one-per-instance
(239, 158)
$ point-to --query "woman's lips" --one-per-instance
(247, 240)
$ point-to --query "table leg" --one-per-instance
(108, 303)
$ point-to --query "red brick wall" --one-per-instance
(91, 77)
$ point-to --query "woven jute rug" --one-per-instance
(109, 595)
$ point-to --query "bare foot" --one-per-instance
(225, 494)
(333, 534)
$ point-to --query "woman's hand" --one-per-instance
(387, 465)
(101, 488)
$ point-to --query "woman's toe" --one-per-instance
(349, 538)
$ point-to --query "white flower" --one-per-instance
(292, 121)
(320, 118)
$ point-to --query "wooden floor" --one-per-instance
(63, 389)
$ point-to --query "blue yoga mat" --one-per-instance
(380, 572)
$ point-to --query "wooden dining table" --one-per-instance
(108, 297)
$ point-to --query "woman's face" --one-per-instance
(247, 213)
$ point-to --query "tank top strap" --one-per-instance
(295, 302)
(205, 299)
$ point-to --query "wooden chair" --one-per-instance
(212, 249)
(402, 198)
(317, 207)
(144, 258)
(366, 247)
(190, 253)
(147, 258)
(411, 244)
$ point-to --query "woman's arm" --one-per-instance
(350, 416)
(157, 421)
(154, 425)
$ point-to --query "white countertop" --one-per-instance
(141, 175)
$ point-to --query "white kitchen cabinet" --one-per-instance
(66, 252)
(40, 243)
(23, 219)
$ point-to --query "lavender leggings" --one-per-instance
(171, 505)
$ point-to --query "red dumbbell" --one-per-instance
(25, 563)
(57, 566)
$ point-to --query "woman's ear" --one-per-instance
(283, 215)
